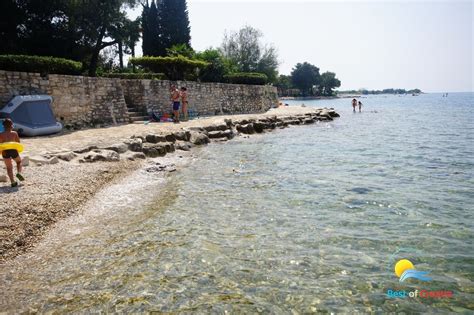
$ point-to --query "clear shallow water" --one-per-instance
(306, 219)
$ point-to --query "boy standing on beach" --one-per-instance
(175, 99)
(8, 155)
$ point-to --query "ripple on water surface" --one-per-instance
(305, 219)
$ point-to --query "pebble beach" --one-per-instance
(64, 171)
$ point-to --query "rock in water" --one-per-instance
(183, 146)
(198, 138)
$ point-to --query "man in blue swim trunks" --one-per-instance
(8, 155)
(176, 104)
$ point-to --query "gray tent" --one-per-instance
(32, 115)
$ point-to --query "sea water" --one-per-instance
(307, 219)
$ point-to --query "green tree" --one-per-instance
(329, 82)
(283, 85)
(174, 23)
(218, 67)
(247, 51)
(11, 17)
(304, 76)
(146, 30)
(99, 21)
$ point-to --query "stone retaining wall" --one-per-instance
(77, 101)
(85, 101)
(204, 98)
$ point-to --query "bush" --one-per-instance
(253, 78)
(175, 68)
(136, 76)
(39, 64)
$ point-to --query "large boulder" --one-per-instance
(134, 144)
(118, 147)
(86, 149)
(154, 149)
(66, 156)
(153, 138)
(215, 134)
(198, 138)
(247, 128)
(170, 137)
(101, 156)
(182, 135)
(216, 127)
(183, 145)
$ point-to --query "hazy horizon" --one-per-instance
(372, 45)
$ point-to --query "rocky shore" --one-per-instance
(65, 171)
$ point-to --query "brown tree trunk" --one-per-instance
(95, 54)
(120, 52)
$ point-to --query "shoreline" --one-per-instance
(61, 180)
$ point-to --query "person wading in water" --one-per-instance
(354, 104)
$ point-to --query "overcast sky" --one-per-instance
(372, 44)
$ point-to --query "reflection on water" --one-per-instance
(303, 219)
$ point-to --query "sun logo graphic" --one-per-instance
(404, 269)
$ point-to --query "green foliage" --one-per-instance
(218, 67)
(71, 29)
(247, 51)
(284, 85)
(152, 31)
(180, 50)
(175, 68)
(304, 76)
(174, 23)
(129, 76)
(384, 91)
(165, 24)
(328, 83)
(39, 64)
(251, 78)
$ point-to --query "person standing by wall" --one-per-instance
(175, 95)
(184, 102)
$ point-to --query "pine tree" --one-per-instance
(146, 40)
(174, 22)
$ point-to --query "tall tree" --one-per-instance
(11, 17)
(246, 49)
(174, 24)
(146, 30)
(329, 82)
(304, 76)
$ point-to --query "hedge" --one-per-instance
(175, 68)
(39, 64)
(128, 75)
(253, 78)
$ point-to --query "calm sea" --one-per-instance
(305, 219)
